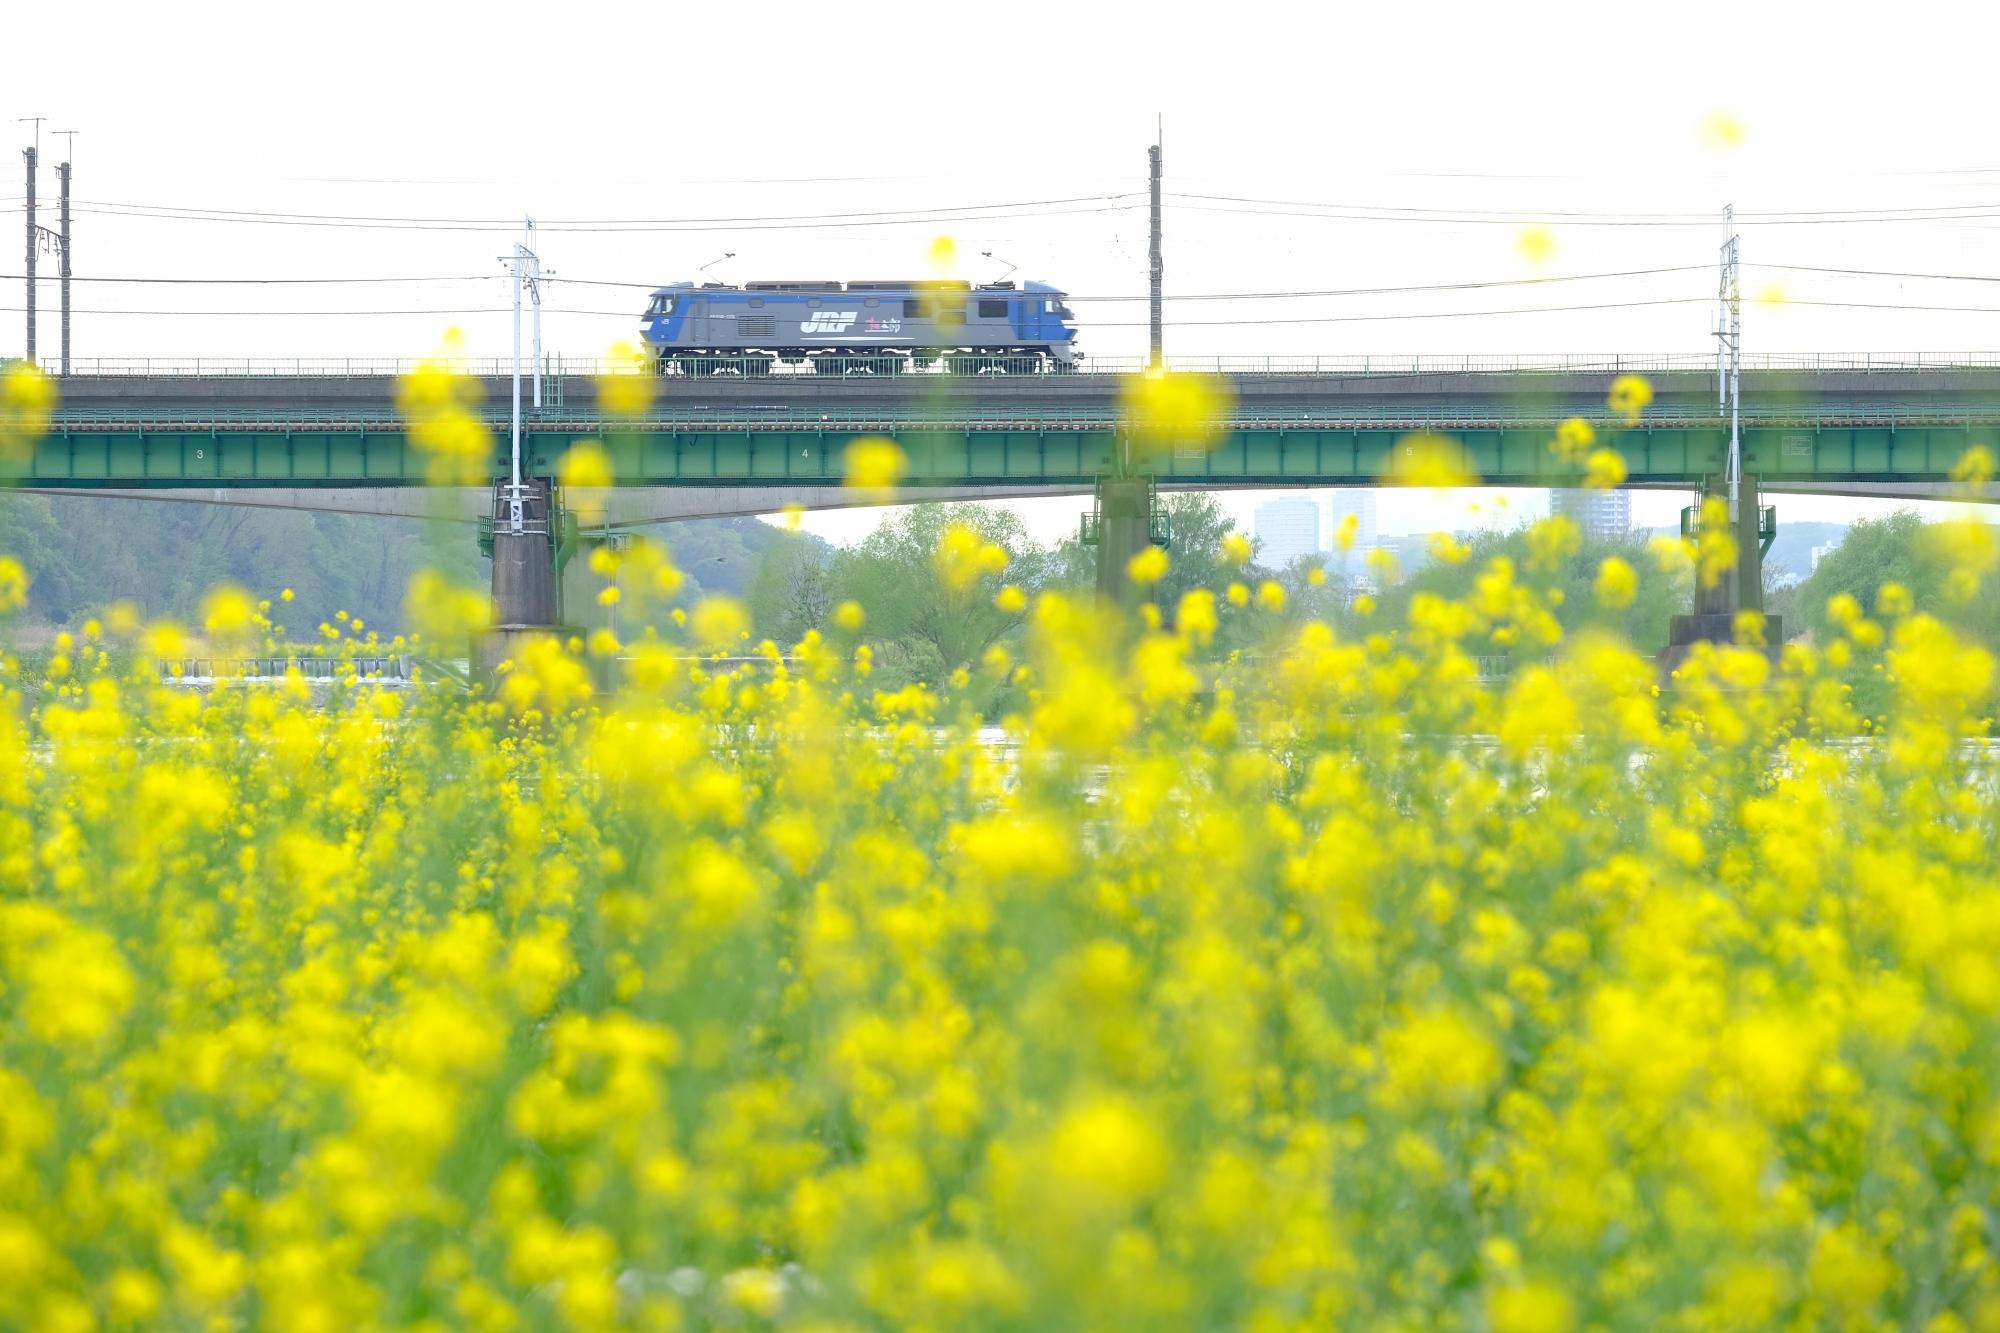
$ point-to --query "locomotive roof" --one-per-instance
(864, 285)
(909, 285)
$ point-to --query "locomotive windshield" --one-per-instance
(662, 305)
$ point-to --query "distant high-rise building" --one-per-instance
(1598, 513)
(1359, 503)
(1286, 529)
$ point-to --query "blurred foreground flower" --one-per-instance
(627, 386)
(963, 557)
(1428, 460)
(27, 399)
(873, 466)
(1369, 981)
(438, 401)
(1629, 397)
(445, 612)
(719, 624)
(585, 475)
(1171, 411)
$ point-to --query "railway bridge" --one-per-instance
(328, 435)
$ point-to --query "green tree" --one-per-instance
(718, 555)
(792, 590)
(84, 553)
(1198, 526)
(1570, 578)
(1899, 548)
(925, 627)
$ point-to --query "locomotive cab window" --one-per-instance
(662, 305)
(993, 310)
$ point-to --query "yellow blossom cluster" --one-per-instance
(1336, 990)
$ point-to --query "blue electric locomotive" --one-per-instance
(866, 327)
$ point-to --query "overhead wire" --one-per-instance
(766, 222)
(1058, 206)
(1111, 324)
(1518, 217)
(253, 282)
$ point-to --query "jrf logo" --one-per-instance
(829, 321)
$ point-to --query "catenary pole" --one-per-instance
(63, 171)
(1729, 375)
(1157, 267)
(30, 154)
(514, 489)
(535, 292)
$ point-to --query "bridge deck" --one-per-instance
(1803, 426)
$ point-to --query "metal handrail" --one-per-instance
(834, 419)
(1369, 365)
(378, 667)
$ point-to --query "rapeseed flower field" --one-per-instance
(1337, 991)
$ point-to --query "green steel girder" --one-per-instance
(1318, 452)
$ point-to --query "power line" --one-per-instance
(1091, 300)
(1068, 205)
(1267, 295)
(1104, 324)
(1258, 296)
(317, 314)
(771, 222)
(1385, 291)
(627, 314)
(1886, 305)
(268, 282)
(1513, 218)
(1880, 273)
(1441, 314)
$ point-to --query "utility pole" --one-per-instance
(1729, 357)
(33, 156)
(34, 236)
(1158, 267)
(1729, 373)
(514, 476)
(69, 156)
(535, 294)
(526, 596)
(527, 272)
(63, 243)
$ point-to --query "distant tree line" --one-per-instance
(84, 554)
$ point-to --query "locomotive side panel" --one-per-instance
(819, 318)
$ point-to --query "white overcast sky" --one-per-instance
(1427, 139)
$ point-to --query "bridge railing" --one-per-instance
(894, 417)
(1427, 363)
(187, 669)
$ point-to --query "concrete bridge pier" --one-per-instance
(526, 603)
(1741, 588)
(1124, 523)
